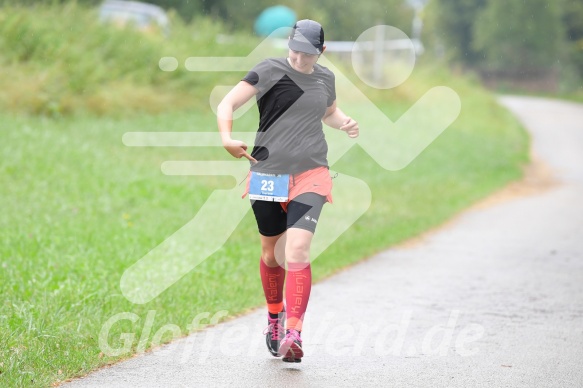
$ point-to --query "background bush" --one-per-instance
(59, 60)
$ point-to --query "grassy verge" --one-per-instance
(60, 60)
(79, 207)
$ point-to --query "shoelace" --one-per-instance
(275, 328)
(295, 335)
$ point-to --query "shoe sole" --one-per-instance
(293, 354)
(274, 354)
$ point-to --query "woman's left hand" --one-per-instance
(350, 127)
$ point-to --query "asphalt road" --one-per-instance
(492, 299)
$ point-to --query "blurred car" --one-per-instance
(145, 17)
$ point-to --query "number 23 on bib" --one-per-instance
(269, 187)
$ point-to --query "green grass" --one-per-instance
(79, 207)
(60, 60)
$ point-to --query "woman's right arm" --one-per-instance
(239, 95)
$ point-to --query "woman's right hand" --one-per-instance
(238, 149)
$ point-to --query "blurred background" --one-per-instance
(61, 56)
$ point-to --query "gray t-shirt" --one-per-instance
(291, 105)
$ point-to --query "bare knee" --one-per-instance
(297, 250)
(272, 250)
(268, 257)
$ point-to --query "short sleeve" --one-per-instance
(260, 76)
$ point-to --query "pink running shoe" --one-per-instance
(291, 347)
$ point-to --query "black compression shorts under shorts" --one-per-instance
(302, 212)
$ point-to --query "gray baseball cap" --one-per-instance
(307, 36)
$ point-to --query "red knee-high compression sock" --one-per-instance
(272, 279)
(297, 293)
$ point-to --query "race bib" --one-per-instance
(269, 187)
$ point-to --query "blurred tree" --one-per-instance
(519, 36)
(49, 2)
(342, 19)
(235, 15)
(451, 23)
(187, 9)
(573, 22)
(346, 20)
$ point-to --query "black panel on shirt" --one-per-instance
(291, 105)
(277, 101)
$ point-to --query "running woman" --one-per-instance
(289, 180)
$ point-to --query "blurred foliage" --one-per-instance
(512, 39)
(342, 19)
(573, 22)
(526, 36)
(60, 59)
(451, 24)
(519, 36)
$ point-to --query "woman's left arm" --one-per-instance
(335, 118)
